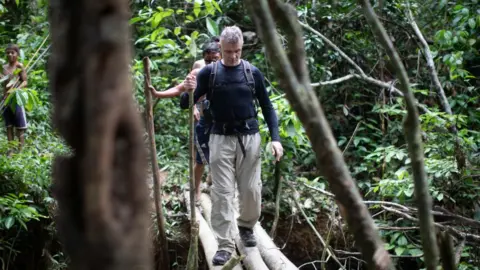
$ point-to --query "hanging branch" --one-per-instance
(414, 140)
(294, 77)
(162, 238)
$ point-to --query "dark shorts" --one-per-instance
(202, 134)
(15, 118)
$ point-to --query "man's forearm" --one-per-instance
(172, 92)
(272, 123)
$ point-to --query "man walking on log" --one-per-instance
(232, 86)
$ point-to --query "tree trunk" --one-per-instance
(101, 188)
(414, 141)
(157, 185)
(294, 78)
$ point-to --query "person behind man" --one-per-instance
(13, 76)
(211, 53)
(235, 141)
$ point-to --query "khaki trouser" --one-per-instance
(228, 166)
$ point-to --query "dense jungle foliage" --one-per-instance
(366, 120)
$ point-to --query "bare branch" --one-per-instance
(414, 141)
(464, 220)
(343, 252)
(459, 234)
(335, 81)
(362, 75)
(335, 47)
(351, 138)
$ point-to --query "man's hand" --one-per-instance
(196, 113)
(152, 89)
(277, 150)
(190, 83)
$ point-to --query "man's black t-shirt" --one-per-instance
(231, 99)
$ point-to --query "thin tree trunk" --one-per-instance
(294, 77)
(162, 238)
(447, 252)
(414, 140)
(101, 187)
(459, 155)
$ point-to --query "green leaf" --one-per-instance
(193, 48)
(215, 4)
(408, 192)
(402, 241)
(399, 250)
(209, 7)
(177, 30)
(17, 2)
(471, 23)
(8, 222)
(415, 252)
(156, 20)
(135, 19)
(212, 27)
(18, 98)
(196, 8)
(356, 141)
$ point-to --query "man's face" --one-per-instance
(211, 57)
(12, 55)
(231, 52)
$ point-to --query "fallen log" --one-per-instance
(266, 251)
(205, 234)
(271, 254)
(253, 260)
(206, 204)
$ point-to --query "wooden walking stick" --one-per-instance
(162, 238)
(192, 262)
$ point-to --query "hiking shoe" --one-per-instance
(221, 257)
(247, 236)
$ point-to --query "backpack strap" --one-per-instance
(211, 81)
(247, 70)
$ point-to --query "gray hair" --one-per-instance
(232, 34)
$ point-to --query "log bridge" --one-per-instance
(265, 256)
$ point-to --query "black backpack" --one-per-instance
(247, 70)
